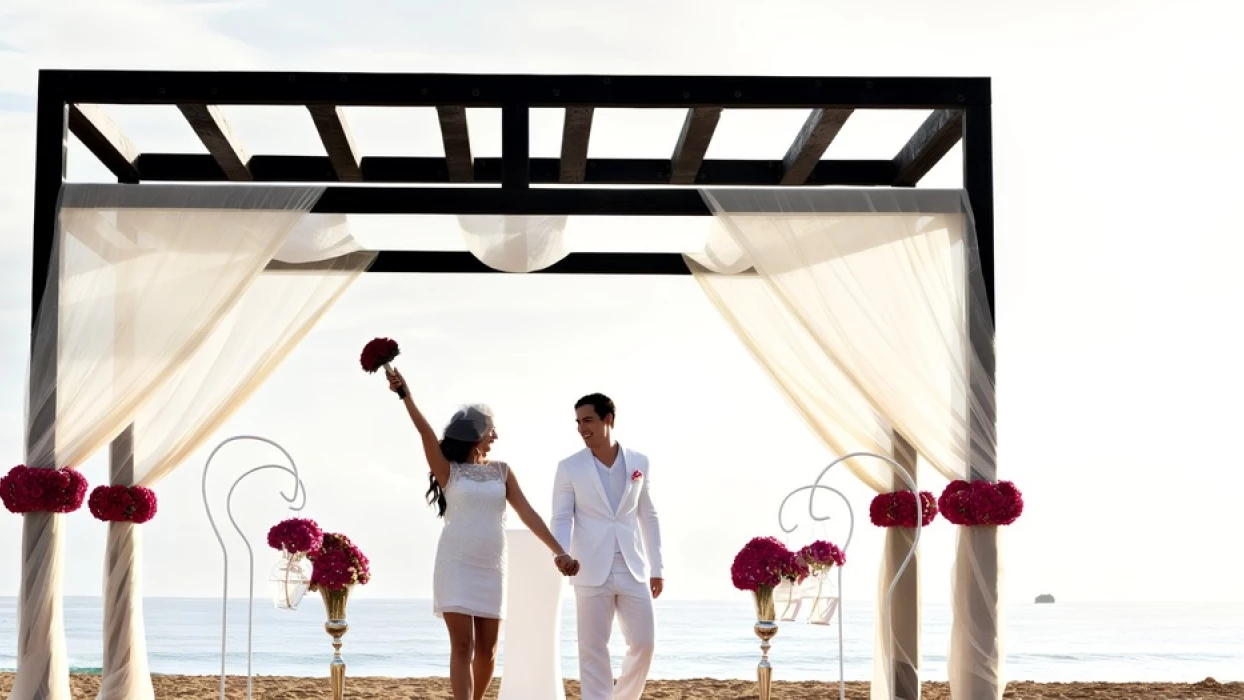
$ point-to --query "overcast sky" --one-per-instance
(1116, 158)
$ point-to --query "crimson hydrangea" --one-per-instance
(33, 490)
(296, 536)
(338, 563)
(981, 503)
(821, 556)
(377, 353)
(763, 562)
(898, 509)
(122, 504)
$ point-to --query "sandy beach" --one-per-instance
(280, 688)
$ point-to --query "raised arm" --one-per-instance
(529, 516)
(563, 507)
(431, 444)
(650, 528)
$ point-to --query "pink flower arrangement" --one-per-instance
(981, 503)
(898, 509)
(296, 536)
(821, 556)
(122, 504)
(33, 490)
(636, 475)
(763, 563)
(338, 563)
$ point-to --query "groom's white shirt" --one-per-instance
(588, 526)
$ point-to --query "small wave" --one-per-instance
(86, 670)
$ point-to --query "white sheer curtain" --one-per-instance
(832, 407)
(515, 243)
(318, 261)
(888, 286)
(141, 278)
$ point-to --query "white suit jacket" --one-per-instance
(586, 525)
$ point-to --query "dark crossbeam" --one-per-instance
(576, 133)
(103, 138)
(819, 130)
(473, 90)
(335, 134)
(934, 139)
(462, 262)
(457, 139)
(189, 167)
(697, 133)
(210, 126)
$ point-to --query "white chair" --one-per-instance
(531, 665)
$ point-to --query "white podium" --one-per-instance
(531, 660)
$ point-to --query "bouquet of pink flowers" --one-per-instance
(296, 536)
(898, 509)
(122, 504)
(821, 556)
(338, 563)
(763, 563)
(33, 490)
(981, 503)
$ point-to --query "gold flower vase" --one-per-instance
(766, 628)
(336, 626)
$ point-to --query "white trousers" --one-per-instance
(630, 601)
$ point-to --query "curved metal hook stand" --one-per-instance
(299, 491)
(915, 543)
(812, 489)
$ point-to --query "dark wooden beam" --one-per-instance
(819, 130)
(462, 262)
(103, 137)
(41, 552)
(363, 199)
(576, 133)
(934, 139)
(546, 201)
(515, 146)
(473, 90)
(178, 167)
(457, 139)
(210, 126)
(335, 134)
(697, 133)
(978, 181)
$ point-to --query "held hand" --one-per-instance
(396, 381)
(566, 564)
(656, 585)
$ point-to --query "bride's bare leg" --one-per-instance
(486, 632)
(461, 645)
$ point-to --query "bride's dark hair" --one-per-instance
(455, 452)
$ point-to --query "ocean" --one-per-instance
(1046, 643)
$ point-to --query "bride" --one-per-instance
(468, 581)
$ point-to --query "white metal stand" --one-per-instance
(817, 486)
(299, 494)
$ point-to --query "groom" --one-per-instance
(602, 496)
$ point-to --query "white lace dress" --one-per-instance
(469, 577)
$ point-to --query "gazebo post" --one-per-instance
(982, 457)
(905, 606)
(49, 680)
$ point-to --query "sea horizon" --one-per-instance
(1060, 642)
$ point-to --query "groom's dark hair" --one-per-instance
(603, 405)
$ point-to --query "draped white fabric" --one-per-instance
(832, 407)
(153, 291)
(887, 284)
(316, 263)
(515, 243)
